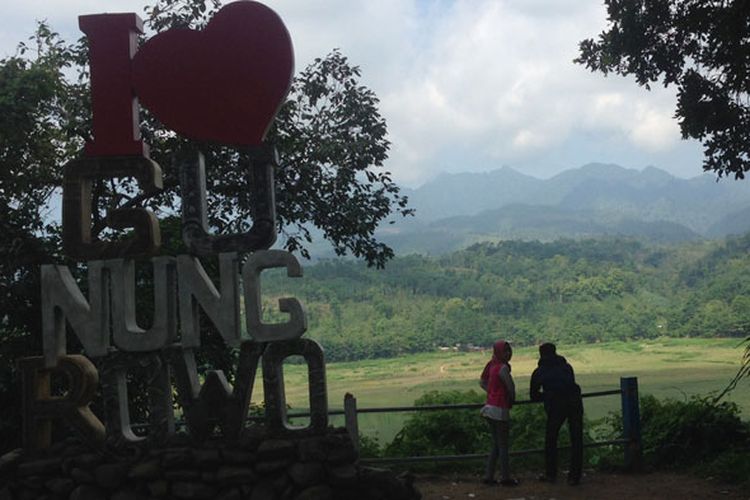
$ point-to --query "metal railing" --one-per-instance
(631, 424)
(631, 439)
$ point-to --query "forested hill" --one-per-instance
(596, 200)
(570, 291)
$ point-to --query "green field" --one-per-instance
(666, 367)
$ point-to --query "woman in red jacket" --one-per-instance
(501, 393)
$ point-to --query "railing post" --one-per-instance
(631, 423)
(350, 419)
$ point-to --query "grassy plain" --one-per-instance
(666, 367)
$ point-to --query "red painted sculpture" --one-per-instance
(224, 84)
(112, 42)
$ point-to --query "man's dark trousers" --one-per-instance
(557, 413)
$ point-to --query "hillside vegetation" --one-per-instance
(566, 291)
(596, 200)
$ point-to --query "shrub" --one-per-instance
(369, 447)
(696, 434)
(681, 433)
(463, 432)
(442, 432)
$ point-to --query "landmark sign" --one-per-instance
(221, 85)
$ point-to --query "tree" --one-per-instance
(35, 140)
(700, 46)
(703, 48)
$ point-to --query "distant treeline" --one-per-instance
(571, 291)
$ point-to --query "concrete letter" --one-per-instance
(195, 233)
(78, 178)
(114, 370)
(40, 408)
(273, 386)
(196, 288)
(62, 299)
(216, 403)
(261, 332)
(128, 336)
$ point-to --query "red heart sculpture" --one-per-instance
(224, 84)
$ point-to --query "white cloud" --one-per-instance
(526, 139)
(646, 120)
(499, 79)
(488, 81)
(655, 129)
(19, 20)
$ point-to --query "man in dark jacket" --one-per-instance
(554, 383)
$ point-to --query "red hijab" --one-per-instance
(498, 351)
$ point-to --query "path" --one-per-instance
(595, 486)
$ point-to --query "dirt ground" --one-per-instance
(594, 486)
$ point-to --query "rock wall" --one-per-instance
(314, 468)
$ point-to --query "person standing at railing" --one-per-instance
(501, 393)
(554, 382)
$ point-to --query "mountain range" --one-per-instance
(595, 200)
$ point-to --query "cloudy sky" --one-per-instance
(465, 85)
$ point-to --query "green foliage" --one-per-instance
(701, 48)
(696, 434)
(15, 344)
(442, 432)
(333, 144)
(689, 432)
(463, 432)
(743, 372)
(369, 447)
(566, 291)
(528, 423)
(35, 139)
(731, 466)
(165, 14)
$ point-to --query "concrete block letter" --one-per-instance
(128, 336)
(259, 331)
(62, 300)
(273, 386)
(41, 408)
(196, 289)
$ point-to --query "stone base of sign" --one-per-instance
(314, 468)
